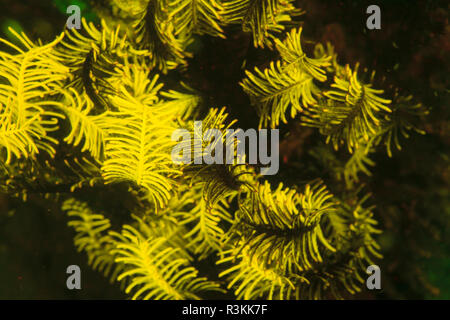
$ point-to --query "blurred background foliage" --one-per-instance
(411, 190)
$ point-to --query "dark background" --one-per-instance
(411, 190)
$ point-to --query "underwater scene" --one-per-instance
(224, 150)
